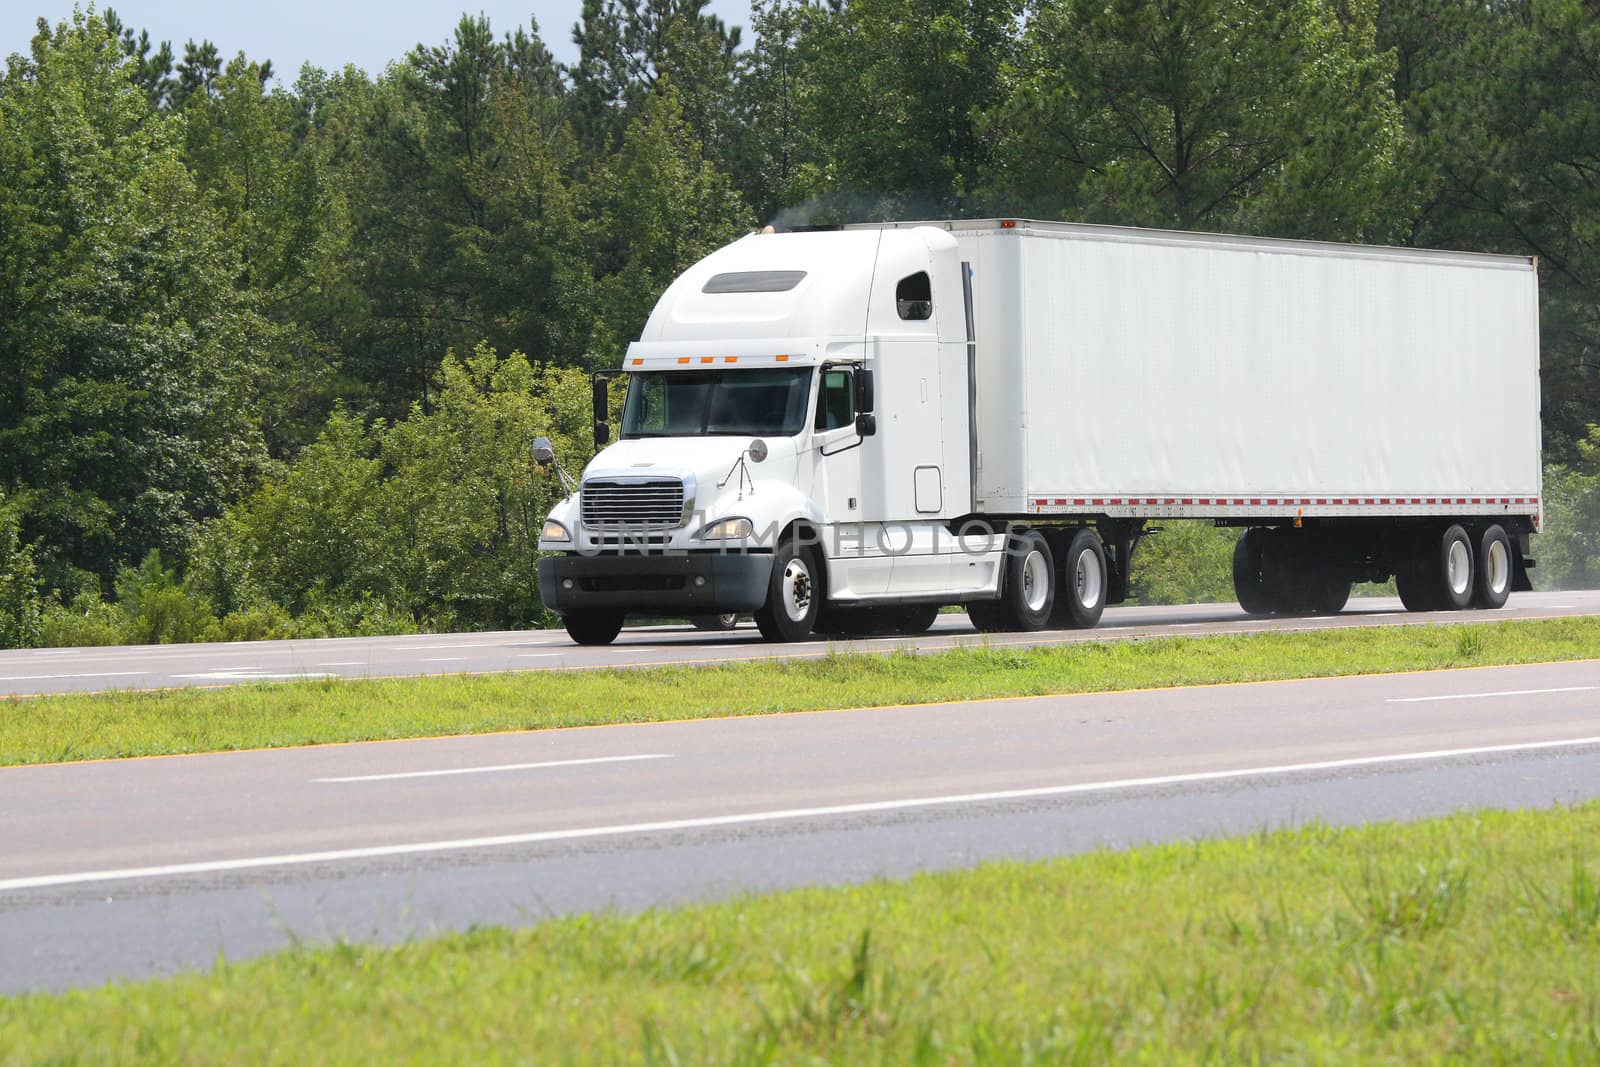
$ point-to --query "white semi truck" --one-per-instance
(845, 430)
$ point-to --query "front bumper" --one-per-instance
(704, 583)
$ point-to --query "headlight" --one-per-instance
(728, 530)
(554, 531)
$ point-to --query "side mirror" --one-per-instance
(864, 395)
(866, 424)
(602, 410)
(541, 451)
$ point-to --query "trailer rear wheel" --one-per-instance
(1327, 595)
(1081, 595)
(1453, 568)
(1414, 591)
(1440, 575)
(1493, 583)
(1249, 583)
(593, 627)
(794, 594)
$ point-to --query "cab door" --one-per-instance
(858, 564)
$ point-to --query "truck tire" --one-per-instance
(593, 627)
(728, 620)
(1249, 584)
(1415, 593)
(1328, 595)
(1495, 568)
(1453, 569)
(1440, 576)
(794, 594)
(851, 622)
(1081, 592)
(1027, 589)
(915, 618)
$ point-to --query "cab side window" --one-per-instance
(913, 297)
(836, 402)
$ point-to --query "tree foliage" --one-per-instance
(228, 298)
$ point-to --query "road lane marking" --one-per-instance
(441, 659)
(345, 663)
(255, 675)
(538, 655)
(92, 674)
(491, 770)
(1502, 693)
(437, 648)
(747, 818)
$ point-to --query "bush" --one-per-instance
(158, 609)
(430, 522)
(86, 621)
(1185, 563)
(1568, 550)
(19, 584)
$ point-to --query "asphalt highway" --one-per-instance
(130, 868)
(56, 670)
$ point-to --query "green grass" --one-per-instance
(81, 726)
(1473, 939)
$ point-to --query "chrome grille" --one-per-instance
(616, 504)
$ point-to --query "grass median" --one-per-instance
(267, 715)
(1473, 939)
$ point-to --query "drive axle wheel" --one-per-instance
(1027, 589)
(1081, 597)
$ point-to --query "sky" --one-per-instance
(331, 33)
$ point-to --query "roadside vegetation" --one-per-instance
(273, 343)
(1472, 939)
(269, 715)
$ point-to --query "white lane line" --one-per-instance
(538, 837)
(441, 659)
(254, 675)
(345, 663)
(1502, 693)
(435, 648)
(94, 674)
(491, 770)
(538, 655)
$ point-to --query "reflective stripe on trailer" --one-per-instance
(1219, 505)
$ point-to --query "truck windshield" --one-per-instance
(734, 402)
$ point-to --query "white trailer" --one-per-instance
(844, 430)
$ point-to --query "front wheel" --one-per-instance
(794, 593)
(593, 627)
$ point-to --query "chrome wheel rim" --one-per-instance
(796, 589)
(1035, 581)
(1090, 578)
(1499, 567)
(1459, 568)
